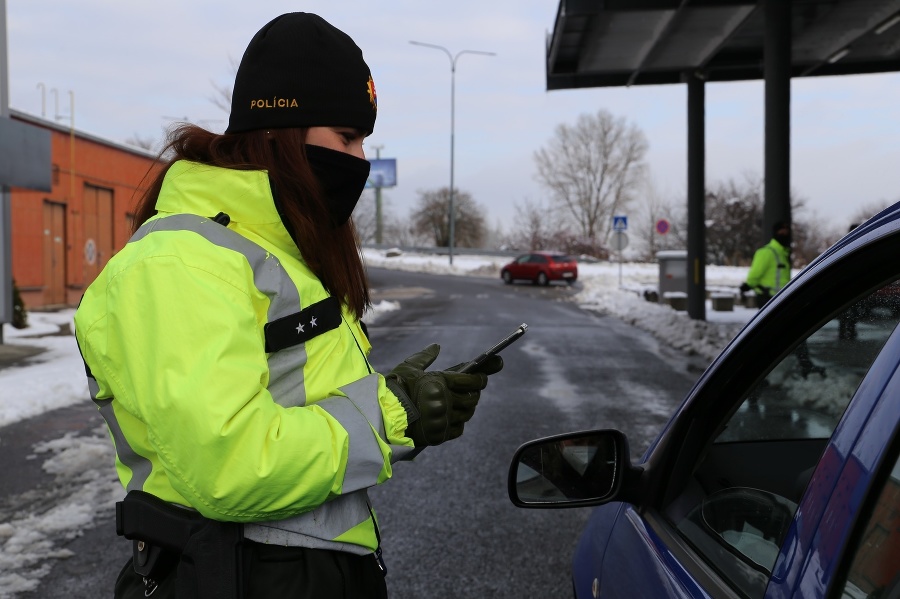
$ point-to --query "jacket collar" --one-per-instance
(245, 196)
(208, 190)
(774, 243)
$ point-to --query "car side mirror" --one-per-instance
(569, 470)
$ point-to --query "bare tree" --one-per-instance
(734, 211)
(432, 217)
(867, 211)
(139, 141)
(734, 216)
(364, 217)
(403, 233)
(812, 236)
(592, 170)
(539, 227)
(222, 92)
(652, 207)
(535, 225)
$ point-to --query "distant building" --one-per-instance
(62, 239)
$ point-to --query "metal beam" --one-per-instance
(696, 200)
(6, 286)
(777, 166)
(665, 26)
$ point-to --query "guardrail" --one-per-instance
(442, 251)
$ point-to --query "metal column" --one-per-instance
(696, 198)
(777, 65)
(6, 285)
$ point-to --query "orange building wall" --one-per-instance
(119, 175)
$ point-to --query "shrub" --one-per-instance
(20, 314)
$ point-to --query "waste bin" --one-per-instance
(672, 271)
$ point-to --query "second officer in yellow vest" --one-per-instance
(770, 269)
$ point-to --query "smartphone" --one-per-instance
(470, 366)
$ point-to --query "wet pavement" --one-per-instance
(14, 354)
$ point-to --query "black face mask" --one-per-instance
(342, 177)
(783, 239)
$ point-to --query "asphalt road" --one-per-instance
(448, 528)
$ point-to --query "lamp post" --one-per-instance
(377, 185)
(453, 59)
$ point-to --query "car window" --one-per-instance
(537, 258)
(874, 571)
(804, 396)
(523, 259)
(743, 492)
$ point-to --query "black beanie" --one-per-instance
(300, 71)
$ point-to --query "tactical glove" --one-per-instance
(437, 403)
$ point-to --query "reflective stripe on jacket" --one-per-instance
(173, 331)
(771, 267)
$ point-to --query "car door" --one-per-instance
(536, 264)
(735, 489)
(869, 566)
(520, 267)
(854, 552)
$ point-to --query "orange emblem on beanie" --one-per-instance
(373, 97)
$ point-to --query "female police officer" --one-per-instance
(224, 348)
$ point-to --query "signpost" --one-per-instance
(620, 239)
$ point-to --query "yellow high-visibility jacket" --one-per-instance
(230, 380)
(770, 269)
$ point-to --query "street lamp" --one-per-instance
(453, 59)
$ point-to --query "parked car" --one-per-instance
(540, 268)
(779, 474)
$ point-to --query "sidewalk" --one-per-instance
(11, 354)
(20, 344)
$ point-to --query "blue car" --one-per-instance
(779, 474)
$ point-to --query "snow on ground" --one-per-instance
(52, 379)
(83, 465)
(612, 289)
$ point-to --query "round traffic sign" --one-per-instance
(620, 240)
(90, 251)
(662, 226)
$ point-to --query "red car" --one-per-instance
(541, 268)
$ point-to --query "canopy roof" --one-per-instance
(606, 43)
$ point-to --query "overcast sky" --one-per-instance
(134, 65)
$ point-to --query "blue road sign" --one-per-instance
(620, 223)
(383, 173)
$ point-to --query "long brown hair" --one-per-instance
(331, 253)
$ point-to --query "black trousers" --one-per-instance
(285, 573)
